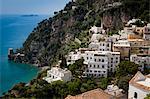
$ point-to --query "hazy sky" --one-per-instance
(31, 6)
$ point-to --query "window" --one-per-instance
(111, 69)
(97, 66)
(111, 65)
(135, 95)
(90, 70)
(107, 45)
(87, 58)
(95, 71)
(94, 66)
(87, 70)
(99, 71)
(90, 65)
(103, 71)
(90, 57)
(99, 60)
(95, 60)
(102, 66)
(102, 60)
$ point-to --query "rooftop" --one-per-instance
(54, 69)
(133, 40)
(124, 43)
(140, 81)
(93, 94)
(103, 52)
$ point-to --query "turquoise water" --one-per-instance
(14, 29)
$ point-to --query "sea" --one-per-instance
(14, 30)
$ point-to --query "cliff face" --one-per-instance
(50, 37)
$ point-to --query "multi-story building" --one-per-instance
(139, 46)
(101, 46)
(142, 60)
(139, 86)
(122, 46)
(146, 34)
(99, 63)
(57, 73)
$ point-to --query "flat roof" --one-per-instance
(103, 52)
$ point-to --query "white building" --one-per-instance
(115, 91)
(73, 56)
(101, 46)
(77, 54)
(139, 86)
(95, 29)
(142, 60)
(130, 22)
(146, 34)
(57, 73)
(99, 63)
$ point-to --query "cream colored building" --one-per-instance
(122, 46)
(139, 86)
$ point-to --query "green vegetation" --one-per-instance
(77, 68)
(139, 24)
(124, 72)
(39, 88)
(147, 97)
(113, 32)
(126, 68)
(56, 35)
(138, 8)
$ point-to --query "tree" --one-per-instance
(63, 64)
(77, 68)
(123, 83)
(147, 97)
(126, 68)
(103, 83)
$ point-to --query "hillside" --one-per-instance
(55, 36)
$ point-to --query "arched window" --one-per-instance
(135, 95)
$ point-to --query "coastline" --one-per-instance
(12, 73)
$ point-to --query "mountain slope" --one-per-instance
(55, 35)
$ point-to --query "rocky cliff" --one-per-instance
(54, 36)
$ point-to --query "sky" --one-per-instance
(31, 6)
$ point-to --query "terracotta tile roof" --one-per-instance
(139, 77)
(93, 94)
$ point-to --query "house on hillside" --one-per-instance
(139, 86)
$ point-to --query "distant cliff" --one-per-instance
(54, 36)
